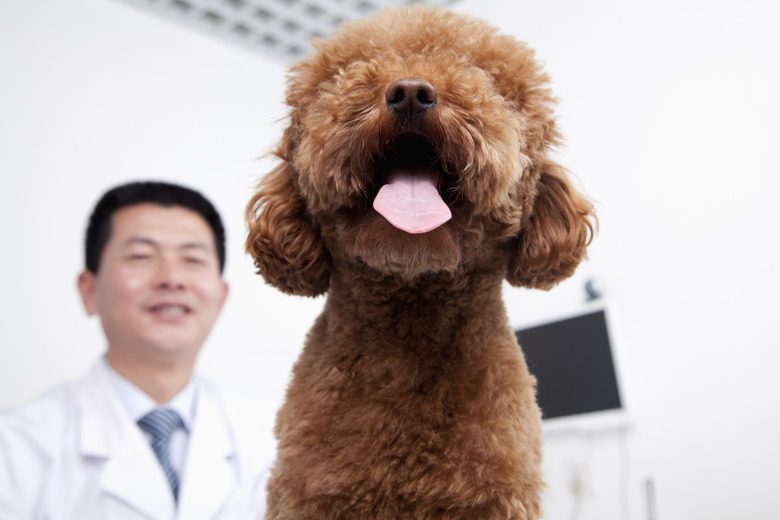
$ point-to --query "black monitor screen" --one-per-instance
(572, 361)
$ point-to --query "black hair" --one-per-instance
(160, 193)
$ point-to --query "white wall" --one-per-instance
(673, 121)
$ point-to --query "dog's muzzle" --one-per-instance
(410, 199)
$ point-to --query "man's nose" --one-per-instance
(169, 274)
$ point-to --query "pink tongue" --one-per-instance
(411, 202)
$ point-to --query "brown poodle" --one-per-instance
(414, 178)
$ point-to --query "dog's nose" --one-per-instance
(410, 97)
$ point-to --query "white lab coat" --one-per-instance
(76, 454)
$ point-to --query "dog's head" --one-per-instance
(417, 143)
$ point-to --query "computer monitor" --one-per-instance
(573, 359)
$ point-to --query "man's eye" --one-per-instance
(195, 260)
(139, 256)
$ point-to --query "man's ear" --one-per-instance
(225, 291)
(87, 284)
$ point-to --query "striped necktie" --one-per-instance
(160, 424)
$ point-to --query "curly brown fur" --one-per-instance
(411, 398)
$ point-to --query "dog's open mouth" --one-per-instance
(409, 198)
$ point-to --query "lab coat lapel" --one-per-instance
(130, 472)
(211, 471)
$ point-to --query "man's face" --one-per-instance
(158, 290)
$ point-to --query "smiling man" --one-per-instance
(140, 436)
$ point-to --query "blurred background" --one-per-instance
(671, 113)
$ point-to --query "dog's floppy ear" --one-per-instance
(557, 230)
(283, 240)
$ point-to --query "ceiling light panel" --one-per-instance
(277, 28)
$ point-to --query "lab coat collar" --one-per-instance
(131, 472)
(212, 461)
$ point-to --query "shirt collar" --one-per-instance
(138, 404)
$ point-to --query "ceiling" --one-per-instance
(280, 29)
